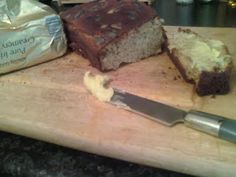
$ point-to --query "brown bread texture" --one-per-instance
(112, 32)
(203, 62)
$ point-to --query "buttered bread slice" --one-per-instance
(204, 62)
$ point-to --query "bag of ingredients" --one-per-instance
(30, 33)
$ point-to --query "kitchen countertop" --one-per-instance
(24, 157)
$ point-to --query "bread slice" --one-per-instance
(204, 62)
(113, 32)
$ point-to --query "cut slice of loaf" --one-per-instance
(204, 62)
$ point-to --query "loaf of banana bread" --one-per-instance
(112, 32)
(204, 62)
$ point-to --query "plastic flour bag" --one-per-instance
(30, 33)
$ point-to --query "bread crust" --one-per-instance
(174, 58)
(213, 82)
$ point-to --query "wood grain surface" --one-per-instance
(49, 102)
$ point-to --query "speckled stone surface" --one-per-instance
(24, 157)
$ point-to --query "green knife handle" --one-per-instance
(228, 130)
(212, 124)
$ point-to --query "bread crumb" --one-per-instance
(213, 96)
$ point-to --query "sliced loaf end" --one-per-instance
(137, 44)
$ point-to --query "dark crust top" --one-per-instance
(96, 24)
(97, 18)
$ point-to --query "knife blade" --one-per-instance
(219, 126)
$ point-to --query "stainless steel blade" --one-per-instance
(162, 113)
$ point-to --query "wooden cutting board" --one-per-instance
(49, 102)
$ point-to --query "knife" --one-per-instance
(219, 126)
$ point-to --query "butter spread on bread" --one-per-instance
(205, 62)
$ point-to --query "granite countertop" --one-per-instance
(24, 157)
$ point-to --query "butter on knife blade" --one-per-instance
(98, 86)
(215, 125)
